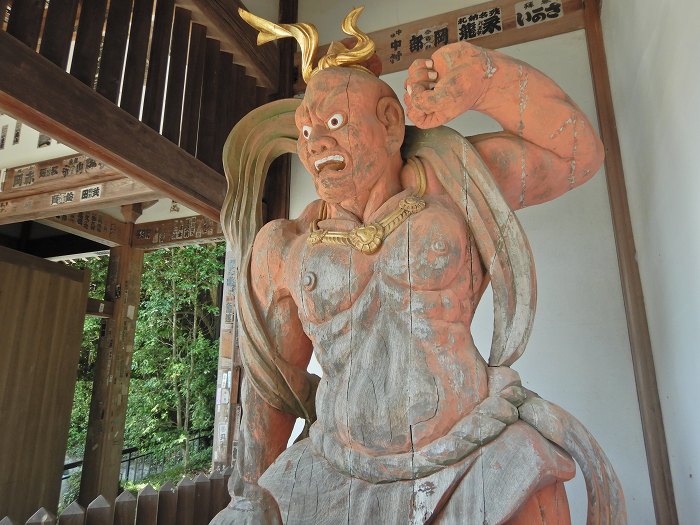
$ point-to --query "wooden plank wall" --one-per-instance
(163, 51)
(42, 305)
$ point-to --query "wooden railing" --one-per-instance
(191, 502)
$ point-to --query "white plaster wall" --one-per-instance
(653, 52)
(579, 353)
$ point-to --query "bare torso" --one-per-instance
(391, 330)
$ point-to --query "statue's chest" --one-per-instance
(424, 253)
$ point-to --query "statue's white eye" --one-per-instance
(306, 131)
(335, 121)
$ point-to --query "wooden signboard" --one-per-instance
(494, 24)
(176, 232)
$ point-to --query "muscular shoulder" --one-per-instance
(272, 249)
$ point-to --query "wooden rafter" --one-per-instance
(401, 55)
(54, 175)
(93, 225)
(74, 199)
(41, 94)
(176, 232)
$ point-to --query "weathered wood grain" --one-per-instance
(157, 64)
(71, 200)
(125, 509)
(44, 305)
(105, 434)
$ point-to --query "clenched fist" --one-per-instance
(452, 82)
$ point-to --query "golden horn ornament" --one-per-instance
(307, 37)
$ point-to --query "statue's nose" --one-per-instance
(319, 144)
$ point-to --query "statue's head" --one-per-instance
(351, 124)
(351, 127)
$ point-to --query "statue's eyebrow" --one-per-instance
(329, 100)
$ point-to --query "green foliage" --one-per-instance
(200, 462)
(174, 364)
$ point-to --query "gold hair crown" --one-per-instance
(307, 36)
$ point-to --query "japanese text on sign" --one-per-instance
(534, 12)
(476, 25)
(428, 38)
(93, 192)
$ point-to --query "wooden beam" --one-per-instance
(237, 37)
(74, 199)
(398, 46)
(97, 308)
(176, 232)
(56, 174)
(637, 327)
(93, 225)
(105, 435)
(39, 93)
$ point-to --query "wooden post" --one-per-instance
(227, 400)
(637, 327)
(105, 435)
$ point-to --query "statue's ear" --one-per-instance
(390, 113)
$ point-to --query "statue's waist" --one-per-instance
(480, 426)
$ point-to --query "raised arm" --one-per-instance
(547, 145)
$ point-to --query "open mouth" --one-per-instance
(333, 162)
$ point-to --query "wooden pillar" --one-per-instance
(637, 327)
(228, 409)
(105, 434)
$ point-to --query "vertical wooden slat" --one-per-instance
(113, 49)
(185, 502)
(176, 75)
(261, 96)
(125, 509)
(208, 113)
(58, 31)
(132, 87)
(249, 94)
(167, 504)
(202, 493)
(193, 88)
(41, 517)
(25, 21)
(237, 108)
(147, 506)
(99, 512)
(218, 495)
(87, 41)
(3, 12)
(635, 310)
(74, 514)
(223, 108)
(157, 64)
